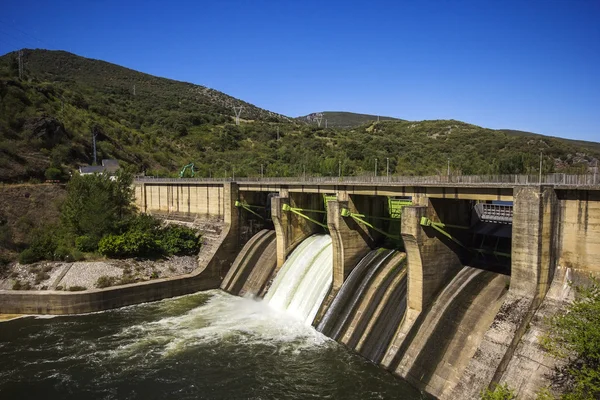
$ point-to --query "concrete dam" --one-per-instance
(442, 284)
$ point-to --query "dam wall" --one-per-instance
(431, 309)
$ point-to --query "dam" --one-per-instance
(436, 281)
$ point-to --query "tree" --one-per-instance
(575, 336)
(95, 204)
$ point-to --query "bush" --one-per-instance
(28, 256)
(18, 285)
(53, 174)
(129, 244)
(41, 276)
(106, 281)
(500, 392)
(179, 240)
(78, 255)
(86, 243)
(63, 253)
(575, 336)
(77, 288)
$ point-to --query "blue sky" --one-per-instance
(527, 64)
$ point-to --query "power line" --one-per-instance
(27, 34)
(27, 43)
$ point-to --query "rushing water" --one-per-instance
(208, 345)
(304, 280)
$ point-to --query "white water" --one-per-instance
(304, 280)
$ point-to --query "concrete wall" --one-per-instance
(351, 239)
(213, 263)
(203, 200)
(579, 229)
(432, 263)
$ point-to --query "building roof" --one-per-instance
(93, 169)
(110, 165)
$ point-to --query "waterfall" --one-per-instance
(304, 280)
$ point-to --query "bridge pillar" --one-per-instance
(431, 262)
(350, 240)
(534, 240)
(281, 225)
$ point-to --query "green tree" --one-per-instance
(96, 204)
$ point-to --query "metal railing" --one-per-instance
(586, 180)
(494, 212)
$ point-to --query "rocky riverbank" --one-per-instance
(75, 276)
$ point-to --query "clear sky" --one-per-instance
(524, 64)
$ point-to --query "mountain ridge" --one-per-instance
(48, 118)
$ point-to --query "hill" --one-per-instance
(342, 119)
(47, 119)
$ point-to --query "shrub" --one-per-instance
(126, 279)
(28, 256)
(86, 243)
(18, 285)
(77, 288)
(500, 392)
(129, 244)
(179, 240)
(106, 281)
(53, 174)
(63, 253)
(78, 255)
(575, 336)
(41, 276)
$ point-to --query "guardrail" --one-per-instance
(588, 180)
(494, 212)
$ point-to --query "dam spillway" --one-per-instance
(304, 280)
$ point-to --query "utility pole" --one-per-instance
(238, 111)
(20, 64)
(232, 174)
(375, 167)
(387, 168)
(448, 166)
(541, 167)
(134, 89)
(94, 141)
(378, 118)
(339, 169)
(261, 171)
(325, 124)
(319, 118)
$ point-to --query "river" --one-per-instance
(209, 345)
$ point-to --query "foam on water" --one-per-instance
(223, 318)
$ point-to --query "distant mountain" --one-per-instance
(342, 119)
(156, 125)
(585, 143)
(74, 70)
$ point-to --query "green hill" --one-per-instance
(47, 120)
(342, 119)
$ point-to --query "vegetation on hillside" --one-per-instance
(98, 216)
(342, 119)
(47, 120)
(575, 336)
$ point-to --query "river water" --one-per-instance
(208, 345)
